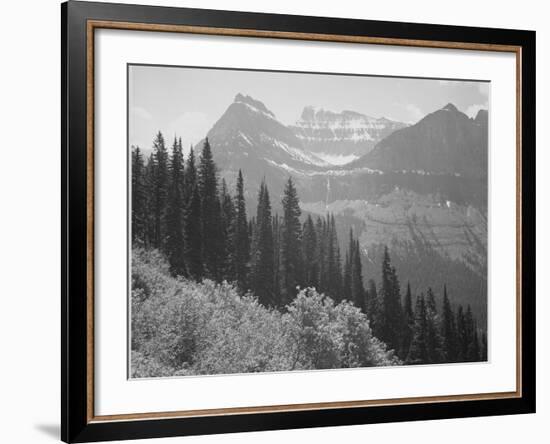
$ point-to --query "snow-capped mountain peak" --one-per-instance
(248, 133)
(345, 136)
(253, 104)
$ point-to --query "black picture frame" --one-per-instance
(76, 423)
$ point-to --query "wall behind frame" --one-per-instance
(29, 226)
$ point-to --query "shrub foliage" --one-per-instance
(183, 327)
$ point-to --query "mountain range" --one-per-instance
(421, 188)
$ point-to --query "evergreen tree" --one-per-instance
(276, 230)
(483, 350)
(251, 230)
(190, 177)
(373, 309)
(159, 191)
(433, 336)
(291, 237)
(474, 347)
(408, 323)
(334, 268)
(418, 351)
(471, 338)
(448, 329)
(193, 236)
(227, 225)
(210, 214)
(462, 335)
(241, 238)
(346, 281)
(357, 287)
(391, 319)
(310, 253)
(321, 231)
(149, 201)
(139, 198)
(174, 240)
(262, 251)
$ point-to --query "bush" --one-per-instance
(182, 327)
(324, 335)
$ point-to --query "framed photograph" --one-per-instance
(275, 221)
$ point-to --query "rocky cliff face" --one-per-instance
(341, 137)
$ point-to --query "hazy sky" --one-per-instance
(188, 101)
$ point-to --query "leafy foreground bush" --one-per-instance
(181, 327)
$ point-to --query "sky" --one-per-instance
(188, 101)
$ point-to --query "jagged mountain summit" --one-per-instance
(446, 141)
(249, 137)
(249, 132)
(341, 137)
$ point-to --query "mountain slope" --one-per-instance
(446, 141)
(249, 129)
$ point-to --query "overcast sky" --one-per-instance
(188, 101)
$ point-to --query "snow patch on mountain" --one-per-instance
(312, 173)
(296, 153)
(337, 159)
(245, 138)
(344, 133)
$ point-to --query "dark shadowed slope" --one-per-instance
(446, 141)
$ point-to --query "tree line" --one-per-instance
(180, 208)
(422, 333)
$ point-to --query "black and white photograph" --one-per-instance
(286, 221)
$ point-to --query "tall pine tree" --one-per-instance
(159, 191)
(321, 232)
(357, 287)
(192, 223)
(448, 329)
(139, 199)
(262, 251)
(174, 239)
(471, 344)
(334, 267)
(462, 335)
(391, 318)
(227, 226)
(310, 253)
(408, 323)
(276, 230)
(433, 336)
(190, 176)
(210, 214)
(291, 237)
(346, 278)
(373, 309)
(483, 349)
(418, 351)
(241, 238)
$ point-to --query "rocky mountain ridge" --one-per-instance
(341, 137)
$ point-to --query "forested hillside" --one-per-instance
(215, 290)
